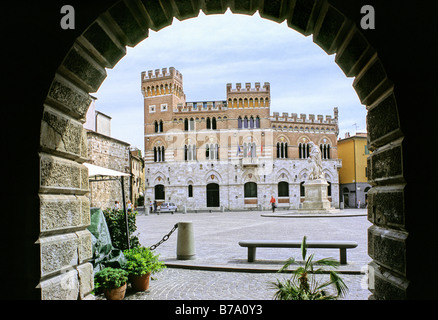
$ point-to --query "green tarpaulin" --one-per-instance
(104, 254)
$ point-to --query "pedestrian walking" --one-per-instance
(151, 206)
(129, 205)
(155, 207)
(272, 202)
(116, 205)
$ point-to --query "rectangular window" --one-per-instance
(152, 109)
(366, 150)
(164, 107)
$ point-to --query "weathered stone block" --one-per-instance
(63, 212)
(58, 253)
(132, 31)
(386, 286)
(81, 68)
(388, 248)
(352, 56)
(86, 280)
(85, 245)
(326, 33)
(218, 7)
(386, 206)
(382, 122)
(69, 98)
(159, 12)
(59, 175)
(386, 164)
(108, 48)
(62, 287)
(274, 10)
(62, 135)
(373, 82)
(300, 20)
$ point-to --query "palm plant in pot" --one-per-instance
(303, 285)
(141, 262)
(113, 281)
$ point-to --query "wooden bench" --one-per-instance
(341, 245)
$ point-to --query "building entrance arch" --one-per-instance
(213, 195)
(389, 80)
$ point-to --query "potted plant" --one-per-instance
(303, 286)
(141, 262)
(113, 281)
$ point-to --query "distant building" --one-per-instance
(115, 154)
(353, 176)
(137, 177)
(230, 154)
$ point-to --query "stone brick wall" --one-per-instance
(113, 154)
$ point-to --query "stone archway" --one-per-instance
(52, 248)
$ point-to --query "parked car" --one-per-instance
(168, 207)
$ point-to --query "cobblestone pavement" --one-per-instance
(183, 284)
(216, 241)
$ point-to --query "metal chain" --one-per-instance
(165, 238)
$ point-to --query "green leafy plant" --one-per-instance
(115, 220)
(141, 260)
(303, 285)
(110, 278)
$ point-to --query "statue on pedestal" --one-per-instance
(316, 162)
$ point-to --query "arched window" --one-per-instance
(186, 124)
(213, 123)
(191, 124)
(282, 150)
(186, 157)
(159, 154)
(257, 122)
(160, 126)
(329, 189)
(250, 190)
(283, 189)
(190, 191)
(325, 151)
(156, 125)
(208, 126)
(251, 122)
(245, 122)
(239, 122)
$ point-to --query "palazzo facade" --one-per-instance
(231, 154)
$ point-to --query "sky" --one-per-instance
(211, 51)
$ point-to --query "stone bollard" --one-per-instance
(185, 247)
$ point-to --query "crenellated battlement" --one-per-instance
(161, 74)
(248, 88)
(293, 117)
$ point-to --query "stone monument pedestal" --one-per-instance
(315, 197)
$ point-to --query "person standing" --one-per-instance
(272, 202)
(155, 207)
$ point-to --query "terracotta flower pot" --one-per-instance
(116, 293)
(140, 283)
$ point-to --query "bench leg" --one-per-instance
(251, 254)
(343, 255)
